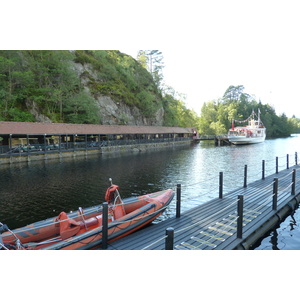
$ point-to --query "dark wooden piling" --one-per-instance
(263, 169)
(293, 182)
(221, 185)
(169, 244)
(240, 210)
(245, 176)
(104, 225)
(178, 200)
(275, 193)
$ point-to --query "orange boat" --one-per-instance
(83, 229)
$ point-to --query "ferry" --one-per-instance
(254, 132)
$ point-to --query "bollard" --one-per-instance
(275, 193)
(169, 245)
(276, 164)
(104, 225)
(263, 169)
(293, 182)
(178, 200)
(287, 161)
(240, 208)
(245, 176)
(221, 185)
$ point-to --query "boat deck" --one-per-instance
(213, 225)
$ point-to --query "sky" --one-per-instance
(207, 45)
(249, 43)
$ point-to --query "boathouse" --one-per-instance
(25, 138)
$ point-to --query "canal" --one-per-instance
(37, 190)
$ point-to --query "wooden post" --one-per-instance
(294, 182)
(263, 169)
(104, 225)
(245, 176)
(275, 193)
(45, 143)
(59, 143)
(287, 161)
(240, 208)
(178, 200)
(169, 244)
(221, 185)
(296, 158)
(276, 164)
(10, 142)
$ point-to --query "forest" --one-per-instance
(46, 83)
(217, 115)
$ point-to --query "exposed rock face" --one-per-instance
(114, 112)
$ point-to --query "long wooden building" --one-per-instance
(28, 137)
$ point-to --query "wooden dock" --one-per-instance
(219, 140)
(236, 220)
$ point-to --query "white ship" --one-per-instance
(254, 132)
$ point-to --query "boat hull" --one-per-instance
(242, 140)
(48, 234)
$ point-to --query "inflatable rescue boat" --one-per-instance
(82, 229)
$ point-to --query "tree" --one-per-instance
(153, 59)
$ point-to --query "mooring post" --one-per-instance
(221, 185)
(104, 225)
(276, 164)
(296, 158)
(263, 169)
(294, 182)
(287, 161)
(178, 200)
(275, 193)
(245, 176)
(169, 245)
(240, 208)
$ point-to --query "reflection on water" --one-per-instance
(285, 237)
(37, 190)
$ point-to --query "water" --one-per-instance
(34, 191)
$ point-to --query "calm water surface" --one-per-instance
(33, 191)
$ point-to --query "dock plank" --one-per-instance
(212, 225)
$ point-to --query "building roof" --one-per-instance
(38, 128)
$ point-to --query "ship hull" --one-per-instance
(242, 140)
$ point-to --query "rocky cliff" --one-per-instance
(99, 87)
(114, 110)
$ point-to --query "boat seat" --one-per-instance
(67, 227)
(119, 211)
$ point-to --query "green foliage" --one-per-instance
(47, 81)
(216, 115)
(81, 109)
(176, 113)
